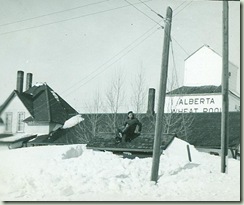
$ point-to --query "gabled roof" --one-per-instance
(210, 49)
(4, 105)
(199, 90)
(203, 46)
(26, 100)
(43, 104)
(196, 89)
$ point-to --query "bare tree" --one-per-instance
(115, 98)
(179, 123)
(139, 92)
(94, 117)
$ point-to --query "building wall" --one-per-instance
(199, 103)
(204, 67)
(15, 106)
(234, 80)
(37, 129)
(234, 103)
(2, 127)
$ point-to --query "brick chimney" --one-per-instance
(20, 81)
(151, 101)
(28, 81)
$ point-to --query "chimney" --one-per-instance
(28, 81)
(20, 81)
(151, 101)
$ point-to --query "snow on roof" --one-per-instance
(39, 84)
(72, 121)
(55, 95)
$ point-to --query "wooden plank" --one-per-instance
(122, 149)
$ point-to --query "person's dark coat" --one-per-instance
(130, 126)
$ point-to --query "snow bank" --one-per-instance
(73, 173)
(72, 121)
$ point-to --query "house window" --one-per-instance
(21, 124)
(8, 122)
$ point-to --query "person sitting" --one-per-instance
(130, 129)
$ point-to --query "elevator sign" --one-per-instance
(190, 104)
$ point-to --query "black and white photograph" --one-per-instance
(120, 101)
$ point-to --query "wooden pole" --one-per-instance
(225, 91)
(188, 152)
(161, 100)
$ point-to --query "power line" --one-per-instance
(116, 60)
(180, 5)
(183, 8)
(174, 64)
(88, 80)
(54, 100)
(144, 13)
(180, 45)
(152, 10)
(109, 60)
(49, 14)
(73, 18)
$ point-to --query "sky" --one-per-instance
(74, 173)
(79, 47)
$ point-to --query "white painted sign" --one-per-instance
(190, 104)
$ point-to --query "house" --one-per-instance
(204, 67)
(37, 110)
(199, 99)
(201, 90)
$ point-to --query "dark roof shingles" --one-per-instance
(142, 143)
(196, 90)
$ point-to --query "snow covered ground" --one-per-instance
(74, 173)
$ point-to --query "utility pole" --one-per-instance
(225, 89)
(161, 100)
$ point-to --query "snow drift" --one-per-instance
(74, 173)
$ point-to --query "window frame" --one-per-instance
(8, 123)
(20, 124)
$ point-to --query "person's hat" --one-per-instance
(130, 112)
